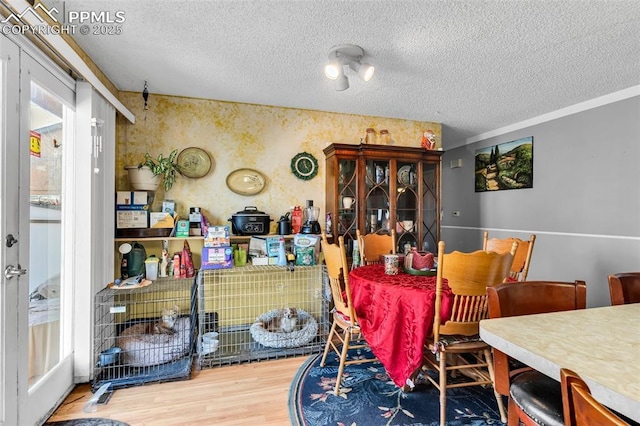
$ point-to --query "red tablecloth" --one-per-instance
(396, 316)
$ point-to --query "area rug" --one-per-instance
(87, 422)
(370, 398)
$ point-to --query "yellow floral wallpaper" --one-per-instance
(264, 138)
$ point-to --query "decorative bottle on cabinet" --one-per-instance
(371, 136)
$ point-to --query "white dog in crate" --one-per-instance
(286, 320)
(289, 320)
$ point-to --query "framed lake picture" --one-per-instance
(508, 165)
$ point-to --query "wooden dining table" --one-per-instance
(602, 345)
(395, 313)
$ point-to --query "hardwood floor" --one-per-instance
(245, 394)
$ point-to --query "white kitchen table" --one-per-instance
(602, 345)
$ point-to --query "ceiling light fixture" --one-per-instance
(346, 54)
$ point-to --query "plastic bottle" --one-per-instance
(296, 220)
(282, 253)
(355, 255)
(164, 264)
(176, 265)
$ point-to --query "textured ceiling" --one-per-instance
(474, 66)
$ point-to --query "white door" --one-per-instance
(9, 231)
(38, 297)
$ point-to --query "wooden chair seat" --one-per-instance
(545, 408)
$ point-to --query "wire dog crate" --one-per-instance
(145, 334)
(235, 303)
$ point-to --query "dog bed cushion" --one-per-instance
(142, 350)
(308, 328)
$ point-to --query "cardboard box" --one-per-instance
(217, 236)
(132, 197)
(132, 219)
(260, 246)
(182, 228)
(132, 207)
(260, 261)
(195, 215)
(169, 206)
(160, 220)
(257, 247)
(217, 257)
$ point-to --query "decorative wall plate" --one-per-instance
(194, 162)
(246, 181)
(304, 166)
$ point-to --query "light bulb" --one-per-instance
(332, 70)
(366, 71)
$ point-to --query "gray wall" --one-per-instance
(584, 206)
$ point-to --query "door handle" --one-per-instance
(11, 271)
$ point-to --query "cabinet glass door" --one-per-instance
(347, 201)
(406, 206)
(377, 214)
(430, 208)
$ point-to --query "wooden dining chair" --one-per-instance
(372, 246)
(624, 288)
(522, 259)
(532, 395)
(455, 345)
(345, 331)
(580, 407)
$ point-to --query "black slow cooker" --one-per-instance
(250, 221)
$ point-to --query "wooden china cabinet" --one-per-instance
(376, 188)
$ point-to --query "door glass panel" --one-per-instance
(406, 206)
(430, 208)
(377, 196)
(47, 115)
(347, 196)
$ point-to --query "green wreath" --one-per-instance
(304, 166)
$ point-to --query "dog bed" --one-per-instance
(279, 339)
(141, 350)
